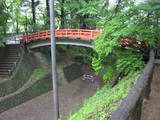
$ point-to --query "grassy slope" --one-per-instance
(41, 86)
(39, 73)
(105, 101)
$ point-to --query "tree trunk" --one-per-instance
(117, 6)
(17, 26)
(82, 22)
(34, 15)
(4, 29)
(62, 15)
(82, 18)
(48, 12)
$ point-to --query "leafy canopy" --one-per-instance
(138, 23)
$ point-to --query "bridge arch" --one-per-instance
(64, 41)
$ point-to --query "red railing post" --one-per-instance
(91, 34)
(66, 33)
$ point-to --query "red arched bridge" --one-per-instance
(80, 37)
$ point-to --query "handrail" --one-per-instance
(126, 109)
(21, 52)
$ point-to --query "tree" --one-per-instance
(3, 18)
(48, 12)
(3, 21)
(78, 13)
(136, 23)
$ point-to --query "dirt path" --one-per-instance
(151, 110)
(71, 97)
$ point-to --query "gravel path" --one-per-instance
(151, 110)
(71, 97)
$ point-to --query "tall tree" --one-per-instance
(33, 12)
(48, 12)
(62, 15)
(4, 16)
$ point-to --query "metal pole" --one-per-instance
(54, 68)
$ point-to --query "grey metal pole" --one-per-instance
(54, 68)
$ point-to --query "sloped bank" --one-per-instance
(19, 78)
(31, 78)
(41, 85)
(121, 102)
(40, 82)
(105, 101)
(131, 106)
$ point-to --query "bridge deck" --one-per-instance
(151, 109)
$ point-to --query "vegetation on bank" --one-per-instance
(39, 73)
(106, 100)
(41, 86)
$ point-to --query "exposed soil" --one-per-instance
(89, 71)
(151, 109)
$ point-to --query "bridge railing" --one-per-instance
(131, 106)
(78, 33)
(63, 33)
(83, 34)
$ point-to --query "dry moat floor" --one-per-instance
(71, 97)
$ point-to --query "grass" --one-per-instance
(105, 101)
(39, 73)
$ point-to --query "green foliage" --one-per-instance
(39, 73)
(129, 62)
(85, 53)
(3, 20)
(89, 8)
(136, 23)
(97, 65)
(105, 101)
(109, 75)
(77, 12)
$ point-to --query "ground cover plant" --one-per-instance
(106, 100)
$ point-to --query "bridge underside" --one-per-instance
(61, 41)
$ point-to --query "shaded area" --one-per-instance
(72, 72)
